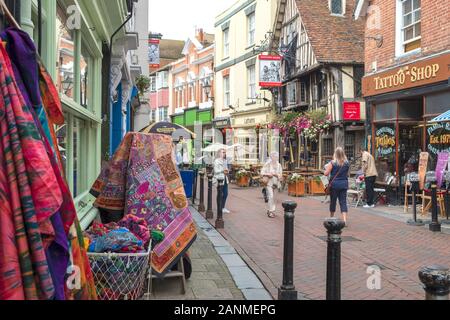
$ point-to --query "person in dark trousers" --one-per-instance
(338, 170)
(221, 172)
(370, 176)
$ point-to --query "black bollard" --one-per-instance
(287, 290)
(201, 206)
(220, 224)
(334, 228)
(435, 226)
(209, 211)
(447, 198)
(436, 281)
(414, 179)
(194, 186)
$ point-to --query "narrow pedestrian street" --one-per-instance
(371, 239)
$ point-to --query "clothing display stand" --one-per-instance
(179, 273)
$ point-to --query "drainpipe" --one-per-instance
(108, 97)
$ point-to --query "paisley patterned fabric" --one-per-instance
(143, 180)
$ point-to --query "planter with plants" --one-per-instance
(243, 178)
(296, 185)
(316, 186)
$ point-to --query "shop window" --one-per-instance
(84, 79)
(386, 111)
(66, 52)
(385, 150)
(350, 145)
(437, 104)
(410, 109)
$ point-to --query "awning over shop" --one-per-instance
(445, 117)
(170, 129)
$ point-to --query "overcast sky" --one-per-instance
(177, 19)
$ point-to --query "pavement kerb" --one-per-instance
(253, 288)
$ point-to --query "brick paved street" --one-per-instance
(398, 249)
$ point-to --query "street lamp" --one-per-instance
(207, 87)
(67, 84)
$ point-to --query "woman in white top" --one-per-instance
(221, 172)
(273, 174)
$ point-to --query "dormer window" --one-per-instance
(337, 7)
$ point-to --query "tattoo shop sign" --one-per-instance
(439, 138)
(385, 141)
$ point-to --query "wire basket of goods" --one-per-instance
(119, 255)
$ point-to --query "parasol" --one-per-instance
(170, 129)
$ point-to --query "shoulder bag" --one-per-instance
(328, 187)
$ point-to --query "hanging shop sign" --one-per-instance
(412, 75)
(269, 71)
(439, 138)
(385, 141)
(154, 53)
(352, 111)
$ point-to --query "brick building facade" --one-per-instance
(407, 82)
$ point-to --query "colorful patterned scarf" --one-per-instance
(142, 179)
(54, 230)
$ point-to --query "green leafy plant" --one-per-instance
(242, 173)
(295, 177)
(143, 84)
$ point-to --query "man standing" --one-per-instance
(370, 174)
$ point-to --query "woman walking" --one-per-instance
(272, 172)
(338, 171)
(221, 172)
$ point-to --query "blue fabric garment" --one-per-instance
(341, 195)
(340, 181)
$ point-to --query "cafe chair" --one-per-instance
(355, 193)
(426, 201)
(381, 193)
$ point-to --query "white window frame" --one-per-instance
(152, 83)
(226, 92)
(251, 82)
(399, 32)
(251, 29)
(291, 89)
(343, 8)
(226, 43)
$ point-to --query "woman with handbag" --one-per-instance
(338, 170)
(272, 174)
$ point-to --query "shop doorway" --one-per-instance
(410, 146)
